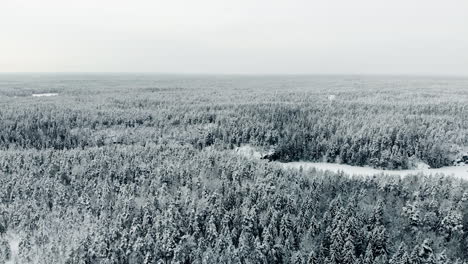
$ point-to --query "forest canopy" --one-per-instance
(141, 169)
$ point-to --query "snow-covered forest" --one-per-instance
(142, 169)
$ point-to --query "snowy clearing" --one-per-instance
(44, 94)
(457, 171)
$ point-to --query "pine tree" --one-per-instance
(377, 217)
(312, 258)
(246, 245)
(297, 258)
(426, 254)
(382, 259)
(369, 255)
(348, 252)
(451, 224)
(259, 252)
(211, 231)
(5, 251)
(399, 256)
(378, 237)
(414, 256)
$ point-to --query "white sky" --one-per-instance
(237, 36)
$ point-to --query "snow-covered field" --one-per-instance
(457, 171)
(44, 94)
(249, 151)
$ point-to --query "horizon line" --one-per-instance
(232, 74)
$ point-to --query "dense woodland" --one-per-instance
(386, 123)
(140, 169)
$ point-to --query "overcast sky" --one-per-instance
(237, 36)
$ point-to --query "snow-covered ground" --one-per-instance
(13, 241)
(44, 94)
(249, 151)
(457, 171)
